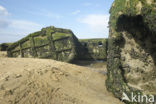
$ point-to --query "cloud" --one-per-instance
(3, 11)
(76, 12)
(4, 23)
(17, 29)
(12, 29)
(24, 25)
(96, 22)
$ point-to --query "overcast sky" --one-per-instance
(86, 18)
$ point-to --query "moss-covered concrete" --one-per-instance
(50, 42)
(59, 44)
(94, 49)
(4, 46)
(131, 62)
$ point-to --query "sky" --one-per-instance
(86, 18)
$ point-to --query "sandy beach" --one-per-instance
(44, 81)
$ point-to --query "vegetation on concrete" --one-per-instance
(94, 49)
(59, 44)
(131, 61)
(131, 57)
(4, 46)
(50, 42)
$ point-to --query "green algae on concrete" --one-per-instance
(50, 42)
(94, 49)
(4, 46)
(131, 60)
(59, 44)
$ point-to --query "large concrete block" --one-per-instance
(94, 49)
(131, 48)
(50, 42)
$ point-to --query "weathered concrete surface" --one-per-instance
(94, 49)
(131, 48)
(59, 44)
(50, 42)
(4, 46)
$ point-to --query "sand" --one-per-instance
(3, 54)
(43, 81)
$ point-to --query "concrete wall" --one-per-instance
(50, 42)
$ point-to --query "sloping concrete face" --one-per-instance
(50, 42)
(59, 44)
(131, 48)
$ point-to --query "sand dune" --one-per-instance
(41, 81)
